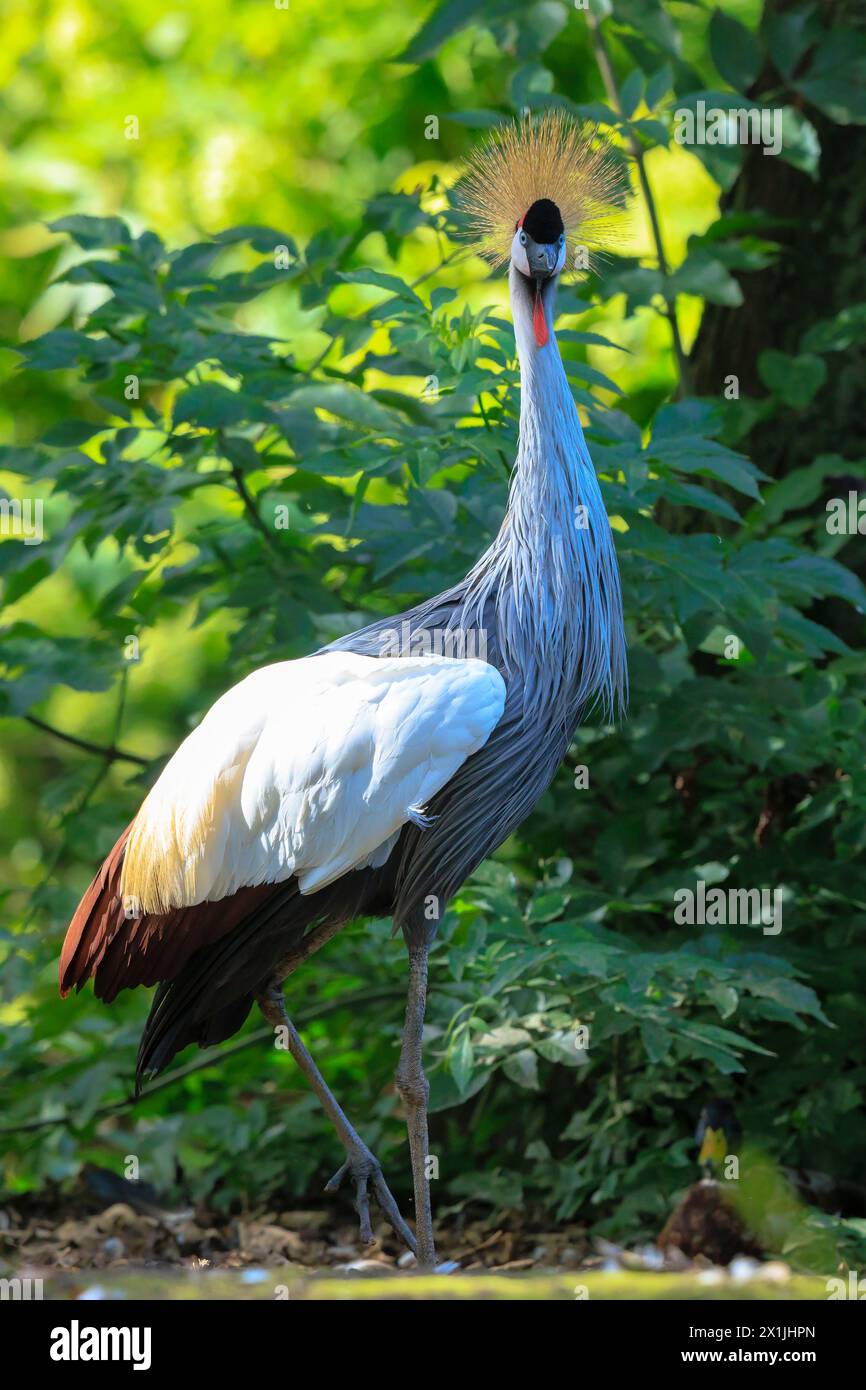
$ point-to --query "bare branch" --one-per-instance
(110, 754)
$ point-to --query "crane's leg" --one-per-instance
(361, 1164)
(415, 1090)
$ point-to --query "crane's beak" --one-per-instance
(542, 261)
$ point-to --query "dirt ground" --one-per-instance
(83, 1246)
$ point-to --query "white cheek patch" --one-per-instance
(518, 254)
(560, 260)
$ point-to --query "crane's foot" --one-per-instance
(365, 1170)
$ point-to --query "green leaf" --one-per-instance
(210, 406)
(397, 287)
(793, 996)
(648, 19)
(657, 1041)
(847, 329)
(705, 275)
(191, 266)
(522, 1068)
(36, 662)
(529, 86)
(789, 36)
(480, 119)
(801, 146)
(795, 380)
(94, 233)
(582, 371)
(70, 433)
(264, 239)
(573, 335)
(631, 92)
(658, 86)
(836, 79)
(445, 21)
(724, 997)
(562, 1048)
(735, 51)
(63, 347)
(461, 1060)
(347, 402)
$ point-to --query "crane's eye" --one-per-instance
(562, 238)
(522, 238)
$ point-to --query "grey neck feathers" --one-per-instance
(552, 570)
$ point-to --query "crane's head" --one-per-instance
(538, 248)
(541, 196)
(538, 253)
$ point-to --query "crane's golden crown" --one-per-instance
(551, 157)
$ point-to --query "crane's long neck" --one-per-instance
(552, 567)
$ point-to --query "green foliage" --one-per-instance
(217, 497)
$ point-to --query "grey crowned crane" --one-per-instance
(356, 782)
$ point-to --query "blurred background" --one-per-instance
(717, 356)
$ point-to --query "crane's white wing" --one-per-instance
(307, 767)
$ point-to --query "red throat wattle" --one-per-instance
(539, 319)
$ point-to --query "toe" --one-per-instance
(338, 1177)
(362, 1207)
(365, 1171)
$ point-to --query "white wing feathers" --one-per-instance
(307, 767)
